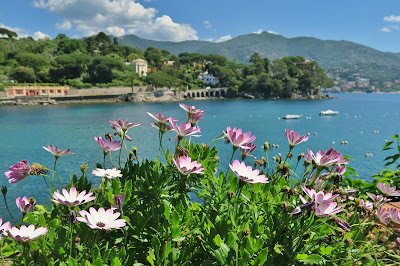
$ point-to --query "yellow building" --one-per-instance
(37, 91)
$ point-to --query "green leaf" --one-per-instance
(261, 257)
(221, 254)
(175, 218)
(301, 256)
(313, 259)
(259, 243)
(116, 262)
(61, 251)
(72, 262)
(326, 250)
(178, 239)
(218, 240)
(33, 245)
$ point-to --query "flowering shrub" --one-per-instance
(188, 210)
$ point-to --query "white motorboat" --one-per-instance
(291, 117)
(329, 112)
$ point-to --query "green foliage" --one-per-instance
(213, 218)
(23, 74)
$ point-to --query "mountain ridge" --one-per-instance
(326, 52)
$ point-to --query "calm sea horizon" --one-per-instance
(25, 129)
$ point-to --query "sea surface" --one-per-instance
(26, 129)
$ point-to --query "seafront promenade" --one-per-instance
(118, 94)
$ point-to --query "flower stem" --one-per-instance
(111, 160)
(54, 172)
(104, 160)
(44, 178)
(5, 202)
(230, 161)
(72, 234)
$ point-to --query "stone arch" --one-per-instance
(216, 93)
(211, 93)
(223, 93)
(188, 95)
(202, 94)
(207, 95)
(193, 94)
(198, 94)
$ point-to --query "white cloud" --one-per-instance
(92, 16)
(208, 24)
(390, 28)
(272, 32)
(208, 39)
(66, 25)
(75, 36)
(163, 28)
(116, 31)
(39, 35)
(258, 32)
(392, 18)
(224, 38)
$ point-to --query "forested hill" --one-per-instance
(326, 53)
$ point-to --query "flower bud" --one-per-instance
(4, 190)
(134, 151)
(98, 165)
(266, 146)
(84, 168)
(216, 158)
(246, 231)
(72, 216)
(181, 152)
(119, 201)
(231, 194)
(205, 146)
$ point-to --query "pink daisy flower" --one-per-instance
(186, 166)
(57, 152)
(18, 171)
(107, 145)
(72, 198)
(239, 139)
(26, 233)
(246, 173)
(294, 138)
(387, 189)
(185, 129)
(101, 219)
(25, 204)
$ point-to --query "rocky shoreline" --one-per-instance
(132, 98)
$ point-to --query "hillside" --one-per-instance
(327, 53)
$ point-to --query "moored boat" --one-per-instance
(329, 112)
(291, 117)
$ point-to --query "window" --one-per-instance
(51, 91)
(58, 91)
(43, 91)
(19, 92)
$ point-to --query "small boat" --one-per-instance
(329, 112)
(291, 117)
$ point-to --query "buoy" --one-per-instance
(333, 143)
(277, 145)
(315, 133)
(345, 142)
(342, 142)
(170, 138)
(308, 134)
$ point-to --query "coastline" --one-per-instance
(139, 97)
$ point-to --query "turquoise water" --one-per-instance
(25, 129)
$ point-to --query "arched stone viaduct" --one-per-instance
(207, 93)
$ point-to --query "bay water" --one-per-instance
(26, 129)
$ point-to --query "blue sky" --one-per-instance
(369, 22)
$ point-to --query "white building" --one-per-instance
(209, 79)
(140, 66)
